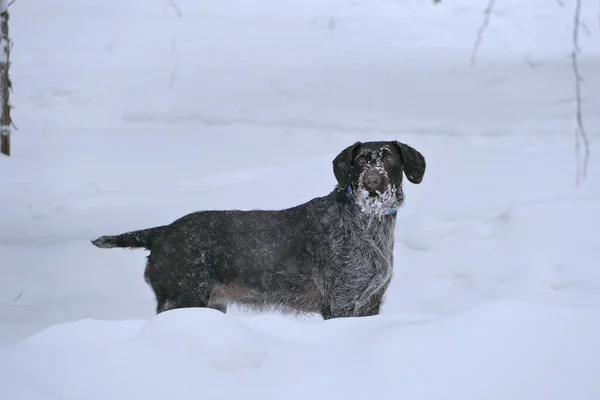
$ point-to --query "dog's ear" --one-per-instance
(342, 165)
(414, 162)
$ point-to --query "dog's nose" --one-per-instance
(372, 180)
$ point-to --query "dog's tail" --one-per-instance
(135, 239)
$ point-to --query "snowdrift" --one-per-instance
(497, 351)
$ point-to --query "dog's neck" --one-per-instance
(352, 196)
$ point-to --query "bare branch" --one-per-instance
(486, 21)
(585, 28)
(11, 3)
(174, 45)
(176, 65)
(173, 75)
(176, 8)
(21, 292)
(580, 134)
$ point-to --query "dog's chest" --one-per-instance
(371, 248)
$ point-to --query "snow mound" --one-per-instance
(421, 232)
(545, 252)
(501, 350)
(193, 331)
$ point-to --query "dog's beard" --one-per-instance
(382, 203)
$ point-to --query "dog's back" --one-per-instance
(262, 259)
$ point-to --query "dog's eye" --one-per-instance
(388, 159)
(361, 160)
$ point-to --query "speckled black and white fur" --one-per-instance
(332, 255)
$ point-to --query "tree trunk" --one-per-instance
(5, 84)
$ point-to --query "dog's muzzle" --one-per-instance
(375, 181)
(376, 196)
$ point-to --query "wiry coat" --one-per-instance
(332, 255)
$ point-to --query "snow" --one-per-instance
(131, 115)
(205, 354)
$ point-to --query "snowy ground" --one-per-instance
(131, 115)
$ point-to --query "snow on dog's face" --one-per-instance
(372, 172)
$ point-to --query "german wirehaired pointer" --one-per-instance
(332, 255)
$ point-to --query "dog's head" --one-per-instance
(373, 171)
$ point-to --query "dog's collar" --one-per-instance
(390, 211)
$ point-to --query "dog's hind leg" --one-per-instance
(178, 283)
(183, 296)
(217, 305)
(164, 304)
(196, 299)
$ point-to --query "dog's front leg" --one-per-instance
(371, 305)
(341, 301)
(337, 310)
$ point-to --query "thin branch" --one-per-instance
(486, 21)
(173, 75)
(585, 28)
(580, 134)
(176, 65)
(173, 46)
(17, 297)
(176, 8)
(11, 3)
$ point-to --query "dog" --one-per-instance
(332, 255)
